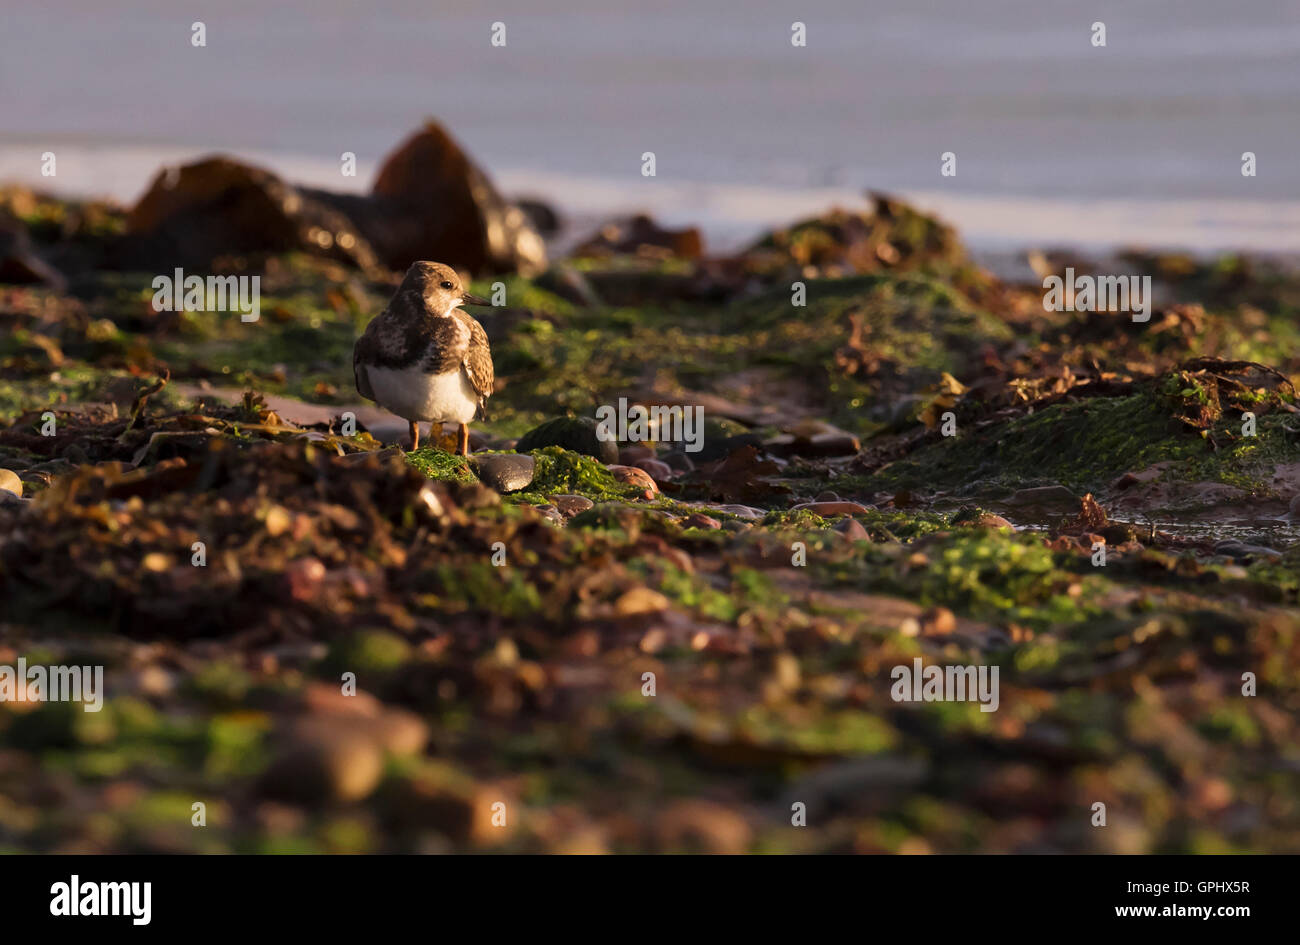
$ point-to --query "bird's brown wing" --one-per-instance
(363, 353)
(478, 360)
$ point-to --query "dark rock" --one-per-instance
(657, 469)
(541, 215)
(504, 472)
(679, 461)
(820, 444)
(1243, 551)
(19, 264)
(718, 448)
(220, 207)
(1118, 534)
(430, 201)
(577, 434)
(639, 233)
(569, 284)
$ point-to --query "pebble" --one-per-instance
(1241, 550)
(1048, 498)
(631, 454)
(658, 469)
(551, 513)
(832, 508)
(938, 622)
(632, 476)
(640, 601)
(9, 480)
(700, 520)
(571, 505)
(504, 472)
(852, 529)
(678, 461)
(336, 764)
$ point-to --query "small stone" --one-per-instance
(640, 601)
(278, 520)
(156, 561)
(1242, 551)
(629, 455)
(700, 520)
(938, 622)
(852, 529)
(338, 763)
(551, 513)
(304, 577)
(504, 472)
(833, 508)
(571, 505)
(632, 476)
(657, 469)
(678, 461)
(742, 511)
(9, 480)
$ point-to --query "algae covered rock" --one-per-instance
(577, 434)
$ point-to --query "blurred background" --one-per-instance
(1139, 142)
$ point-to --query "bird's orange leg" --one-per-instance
(462, 440)
(415, 435)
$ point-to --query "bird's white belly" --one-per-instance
(413, 394)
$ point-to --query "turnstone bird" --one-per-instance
(423, 358)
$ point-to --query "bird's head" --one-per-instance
(439, 286)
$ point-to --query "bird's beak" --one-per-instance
(473, 300)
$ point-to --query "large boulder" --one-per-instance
(430, 201)
(220, 207)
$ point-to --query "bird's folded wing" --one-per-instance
(359, 357)
(478, 362)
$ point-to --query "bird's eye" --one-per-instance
(445, 285)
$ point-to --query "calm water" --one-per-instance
(1055, 139)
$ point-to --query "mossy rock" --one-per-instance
(577, 434)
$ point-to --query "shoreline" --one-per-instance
(731, 215)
